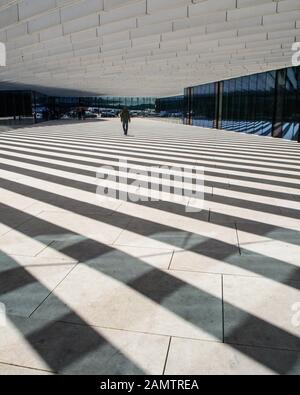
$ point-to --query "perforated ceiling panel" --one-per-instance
(143, 47)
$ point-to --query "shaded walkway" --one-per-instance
(146, 287)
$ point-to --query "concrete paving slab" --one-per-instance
(283, 251)
(16, 243)
(80, 349)
(24, 288)
(255, 232)
(140, 298)
(57, 226)
(190, 234)
(261, 312)
(193, 357)
(12, 219)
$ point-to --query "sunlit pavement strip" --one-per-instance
(99, 286)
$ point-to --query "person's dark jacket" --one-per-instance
(125, 116)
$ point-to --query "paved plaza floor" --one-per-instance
(97, 285)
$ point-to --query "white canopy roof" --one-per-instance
(142, 47)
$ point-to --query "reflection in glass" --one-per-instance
(265, 104)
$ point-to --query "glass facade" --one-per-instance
(15, 106)
(248, 104)
(106, 102)
(266, 104)
(63, 105)
(170, 106)
(23, 106)
(203, 103)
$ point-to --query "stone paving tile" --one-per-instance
(79, 349)
(23, 287)
(193, 357)
(136, 296)
(261, 312)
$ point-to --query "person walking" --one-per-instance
(125, 119)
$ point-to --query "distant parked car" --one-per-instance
(176, 115)
(90, 115)
(69, 115)
(66, 116)
(94, 110)
(108, 114)
(151, 114)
